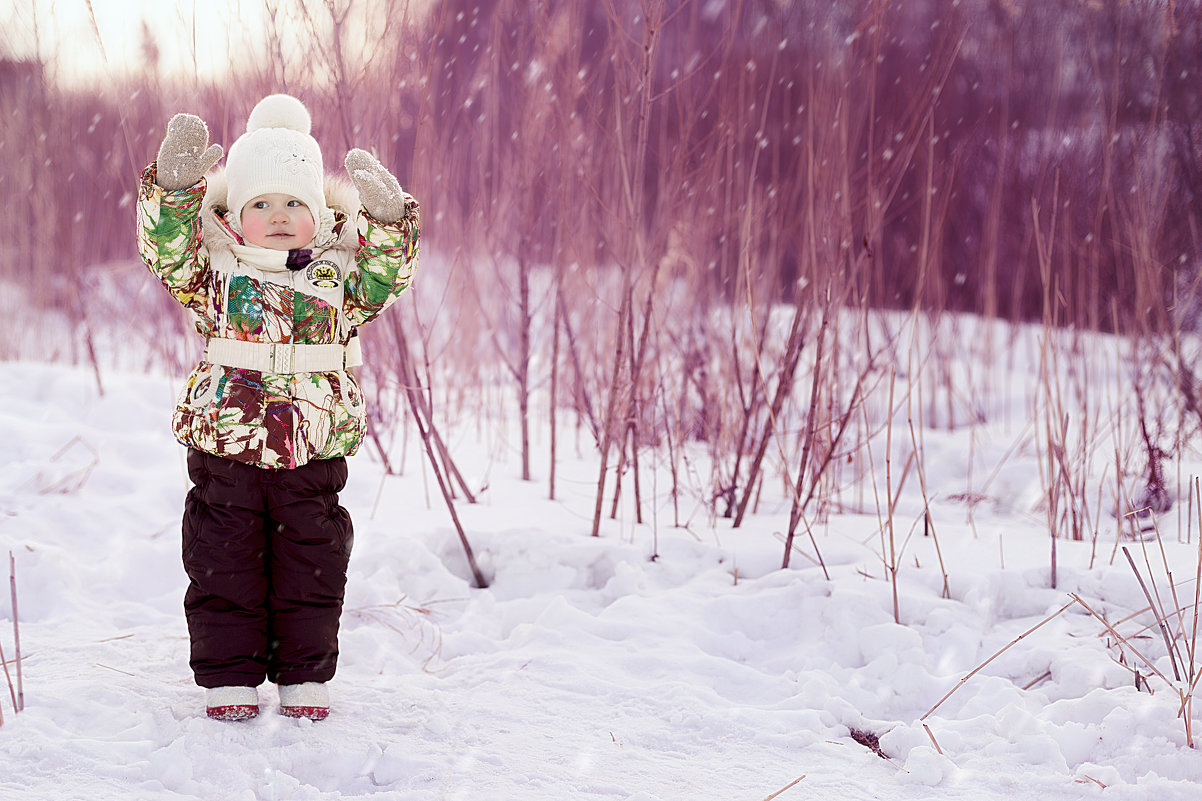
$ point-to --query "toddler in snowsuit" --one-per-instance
(279, 266)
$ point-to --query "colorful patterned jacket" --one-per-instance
(301, 297)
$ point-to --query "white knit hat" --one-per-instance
(276, 154)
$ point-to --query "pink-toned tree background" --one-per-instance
(644, 219)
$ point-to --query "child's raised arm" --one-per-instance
(389, 234)
(169, 200)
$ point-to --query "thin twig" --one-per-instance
(116, 670)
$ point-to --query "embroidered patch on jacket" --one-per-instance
(324, 274)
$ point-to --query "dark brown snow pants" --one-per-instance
(266, 552)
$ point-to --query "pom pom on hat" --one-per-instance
(277, 154)
(280, 111)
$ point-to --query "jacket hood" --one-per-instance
(340, 195)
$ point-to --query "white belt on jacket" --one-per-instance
(269, 357)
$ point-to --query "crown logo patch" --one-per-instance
(324, 274)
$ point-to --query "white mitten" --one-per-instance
(379, 191)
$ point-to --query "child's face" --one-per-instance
(277, 221)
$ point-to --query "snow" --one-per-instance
(587, 669)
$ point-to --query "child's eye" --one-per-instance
(295, 203)
(260, 204)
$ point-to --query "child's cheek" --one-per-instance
(254, 230)
(305, 226)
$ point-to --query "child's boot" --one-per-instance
(232, 703)
(309, 700)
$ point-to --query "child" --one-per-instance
(279, 266)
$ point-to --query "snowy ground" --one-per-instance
(587, 670)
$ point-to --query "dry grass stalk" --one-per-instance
(1155, 607)
(12, 692)
(892, 564)
(1187, 673)
(931, 734)
(1001, 651)
(1185, 691)
(423, 417)
(611, 407)
(634, 66)
(1164, 560)
(72, 482)
(792, 547)
(404, 618)
(1125, 642)
(1195, 668)
(928, 522)
(1146, 629)
(447, 496)
(553, 405)
(1047, 674)
(819, 467)
(422, 406)
(19, 697)
(784, 387)
(788, 786)
(1055, 422)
